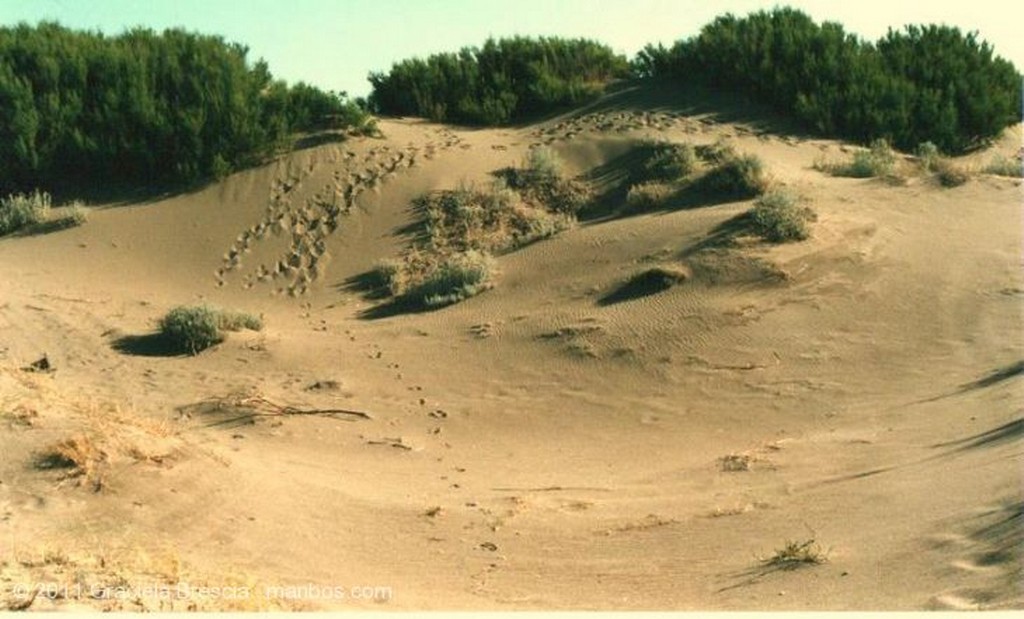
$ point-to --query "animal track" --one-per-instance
(310, 222)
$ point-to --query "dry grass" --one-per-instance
(794, 554)
(80, 457)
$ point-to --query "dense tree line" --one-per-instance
(142, 106)
(503, 81)
(929, 83)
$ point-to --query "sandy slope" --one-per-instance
(533, 447)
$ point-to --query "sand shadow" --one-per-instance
(995, 377)
(1006, 433)
(395, 307)
(643, 284)
(149, 345)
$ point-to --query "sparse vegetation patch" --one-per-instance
(796, 554)
(879, 161)
(451, 260)
(35, 212)
(778, 218)
(1001, 165)
(196, 328)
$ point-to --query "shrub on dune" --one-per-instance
(455, 279)
(193, 329)
(777, 218)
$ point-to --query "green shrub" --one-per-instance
(877, 161)
(739, 176)
(648, 197)
(717, 152)
(504, 81)
(928, 155)
(540, 181)
(1001, 165)
(666, 161)
(195, 328)
(20, 211)
(458, 277)
(777, 218)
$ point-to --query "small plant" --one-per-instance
(73, 215)
(949, 174)
(928, 155)
(740, 176)
(1001, 165)
(665, 161)
(777, 218)
(194, 329)
(543, 164)
(717, 152)
(389, 275)
(878, 161)
(648, 197)
(19, 211)
(457, 278)
(795, 554)
(79, 456)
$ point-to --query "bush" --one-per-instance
(504, 81)
(1001, 165)
(648, 197)
(196, 328)
(922, 83)
(716, 152)
(777, 218)
(457, 278)
(928, 155)
(20, 211)
(739, 176)
(665, 161)
(540, 182)
(878, 161)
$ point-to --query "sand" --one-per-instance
(537, 446)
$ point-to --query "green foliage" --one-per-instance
(648, 196)
(1001, 165)
(879, 161)
(193, 329)
(777, 218)
(455, 279)
(665, 162)
(540, 182)
(504, 81)
(928, 155)
(21, 211)
(922, 83)
(737, 176)
(142, 106)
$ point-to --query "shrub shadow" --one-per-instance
(641, 285)
(150, 345)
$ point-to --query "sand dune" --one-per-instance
(546, 444)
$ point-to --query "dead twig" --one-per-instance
(253, 405)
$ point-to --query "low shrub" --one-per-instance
(541, 181)
(877, 161)
(777, 218)
(21, 211)
(928, 155)
(717, 152)
(1001, 165)
(739, 176)
(455, 279)
(648, 197)
(666, 162)
(193, 329)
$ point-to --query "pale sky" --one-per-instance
(334, 44)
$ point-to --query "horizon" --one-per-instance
(336, 45)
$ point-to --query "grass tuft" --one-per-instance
(1001, 165)
(777, 218)
(878, 161)
(795, 554)
(193, 329)
(738, 176)
(455, 279)
(21, 211)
